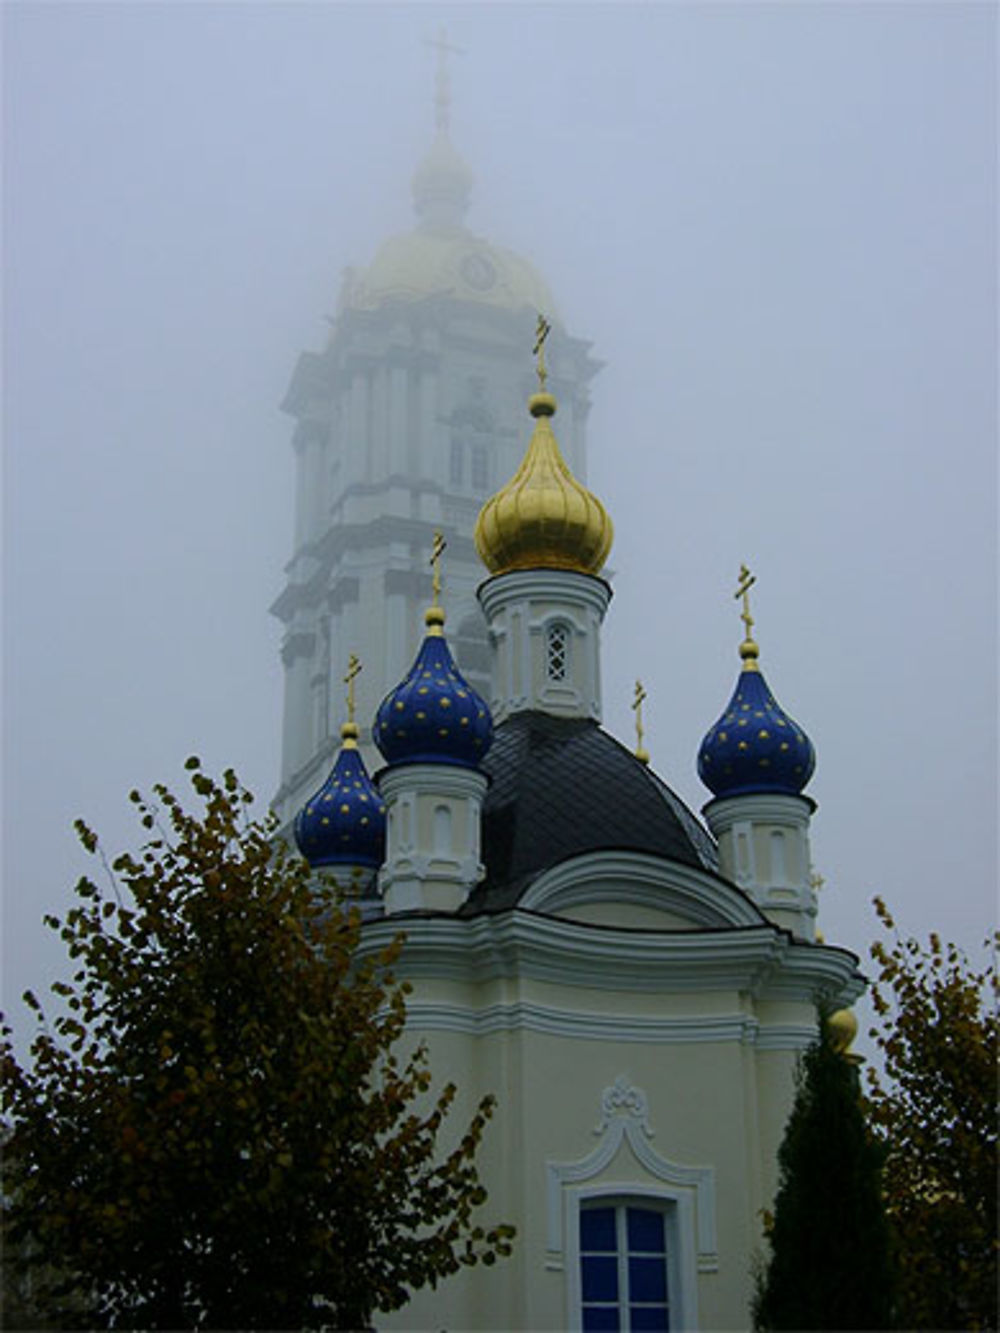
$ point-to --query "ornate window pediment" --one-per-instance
(683, 1196)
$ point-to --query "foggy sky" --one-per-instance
(775, 222)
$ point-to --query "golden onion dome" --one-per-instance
(543, 518)
(448, 262)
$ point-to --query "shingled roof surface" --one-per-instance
(561, 787)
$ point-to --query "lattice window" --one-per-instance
(557, 652)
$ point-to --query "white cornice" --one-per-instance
(522, 1016)
(760, 807)
(635, 878)
(544, 585)
(763, 960)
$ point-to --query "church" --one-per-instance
(633, 983)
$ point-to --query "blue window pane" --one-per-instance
(645, 1231)
(597, 1230)
(647, 1280)
(651, 1318)
(600, 1319)
(600, 1278)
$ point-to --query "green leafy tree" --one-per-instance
(829, 1256)
(935, 1108)
(216, 1131)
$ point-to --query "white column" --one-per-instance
(397, 421)
(356, 444)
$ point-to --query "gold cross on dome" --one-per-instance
(542, 331)
(640, 694)
(437, 550)
(747, 580)
(442, 92)
(353, 670)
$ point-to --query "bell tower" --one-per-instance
(403, 425)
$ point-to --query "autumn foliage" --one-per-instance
(935, 1109)
(216, 1131)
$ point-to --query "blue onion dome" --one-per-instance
(433, 716)
(755, 746)
(344, 823)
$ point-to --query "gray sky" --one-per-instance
(775, 222)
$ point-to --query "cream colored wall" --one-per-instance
(721, 1104)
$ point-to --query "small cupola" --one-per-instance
(755, 746)
(433, 730)
(343, 825)
(434, 716)
(756, 761)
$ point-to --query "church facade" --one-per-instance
(632, 984)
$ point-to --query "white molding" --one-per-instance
(431, 780)
(583, 1025)
(760, 808)
(763, 960)
(523, 1016)
(641, 879)
(557, 585)
(689, 1189)
(786, 1036)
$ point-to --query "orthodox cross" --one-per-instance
(442, 89)
(816, 880)
(437, 551)
(542, 331)
(353, 669)
(640, 694)
(747, 580)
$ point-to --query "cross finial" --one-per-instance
(747, 580)
(748, 649)
(641, 753)
(437, 550)
(353, 670)
(542, 331)
(816, 880)
(442, 83)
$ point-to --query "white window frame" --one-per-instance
(687, 1191)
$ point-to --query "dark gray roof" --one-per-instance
(561, 787)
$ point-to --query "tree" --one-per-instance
(216, 1131)
(935, 1109)
(828, 1266)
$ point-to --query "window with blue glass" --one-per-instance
(623, 1268)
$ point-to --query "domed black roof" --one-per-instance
(561, 787)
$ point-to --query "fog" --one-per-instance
(775, 222)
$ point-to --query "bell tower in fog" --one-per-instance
(403, 424)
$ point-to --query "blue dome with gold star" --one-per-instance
(755, 746)
(344, 823)
(433, 716)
